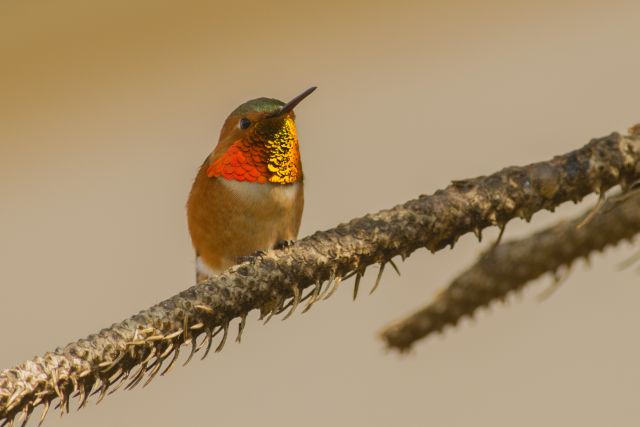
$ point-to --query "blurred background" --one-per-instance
(108, 108)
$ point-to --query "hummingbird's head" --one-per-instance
(259, 143)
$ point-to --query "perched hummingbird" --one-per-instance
(248, 195)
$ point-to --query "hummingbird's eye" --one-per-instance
(244, 123)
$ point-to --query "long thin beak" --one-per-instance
(289, 106)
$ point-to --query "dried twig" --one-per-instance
(508, 267)
(128, 350)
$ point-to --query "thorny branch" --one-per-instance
(509, 266)
(140, 345)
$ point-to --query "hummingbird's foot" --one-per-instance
(283, 244)
(251, 258)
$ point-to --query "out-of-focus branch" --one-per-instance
(509, 266)
(141, 344)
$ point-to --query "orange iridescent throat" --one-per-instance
(268, 154)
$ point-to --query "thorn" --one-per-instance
(334, 287)
(116, 375)
(499, 239)
(176, 353)
(173, 335)
(395, 267)
(83, 399)
(478, 232)
(185, 327)
(157, 360)
(193, 351)
(74, 383)
(328, 288)
(269, 316)
(55, 379)
(197, 326)
(166, 352)
(375, 286)
(224, 337)
(44, 412)
(207, 333)
(296, 301)
(152, 374)
(149, 356)
(204, 308)
(209, 340)
(356, 285)
(66, 404)
(275, 309)
(594, 211)
(136, 378)
(103, 390)
(97, 390)
(314, 297)
(120, 381)
(115, 378)
(132, 351)
(303, 298)
(285, 307)
(26, 414)
(118, 359)
(241, 325)
(349, 275)
(13, 400)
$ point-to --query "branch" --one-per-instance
(510, 266)
(141, 344)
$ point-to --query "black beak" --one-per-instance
(289, 106)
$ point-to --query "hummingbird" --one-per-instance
(248, 195)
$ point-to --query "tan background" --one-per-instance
(107, 108)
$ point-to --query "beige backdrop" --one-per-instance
(107, 109)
